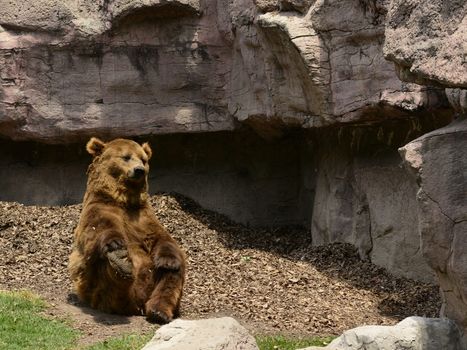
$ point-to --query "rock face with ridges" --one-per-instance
(128, 68)
(371, 204)
(438, 161)
(426, 40)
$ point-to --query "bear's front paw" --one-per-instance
(167, 262)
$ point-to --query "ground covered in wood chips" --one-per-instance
(272, 280)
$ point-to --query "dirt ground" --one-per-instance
(271, 280)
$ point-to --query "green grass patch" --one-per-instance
(283, 343)
(22, 326)
(126, 342)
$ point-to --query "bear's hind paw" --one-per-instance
(158, 317)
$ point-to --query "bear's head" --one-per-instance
(119, 170)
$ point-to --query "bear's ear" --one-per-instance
(95, 146)
(147, 149)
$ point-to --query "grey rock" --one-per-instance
(413, 333)
(215, 334)
(439, 164)
(46, 19)
(458, 99)
(370, 202)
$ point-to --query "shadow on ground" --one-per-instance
(98, 316)
(401, 297)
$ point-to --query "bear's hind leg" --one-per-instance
(143, 272)
(169, 263)
(164, 302)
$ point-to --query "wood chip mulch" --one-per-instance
(272, 280)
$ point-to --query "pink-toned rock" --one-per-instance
(129, 68)
(124, 68)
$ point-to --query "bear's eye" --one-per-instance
(126, 158)
(144, 160)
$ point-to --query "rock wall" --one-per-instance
(70, 70)
(370, 202)
(365, 197)
(110, 68)
(426, 40)
(440, 167)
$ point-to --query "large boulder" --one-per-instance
(413, 333)
(439, 164)
(215, 334)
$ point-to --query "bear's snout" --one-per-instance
(137, 173)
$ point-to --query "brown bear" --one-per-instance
(123, 261)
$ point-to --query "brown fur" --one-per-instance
(123, 261)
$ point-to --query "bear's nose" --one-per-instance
(138, 172)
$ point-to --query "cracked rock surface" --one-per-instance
(69, 70)
(440, 166)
